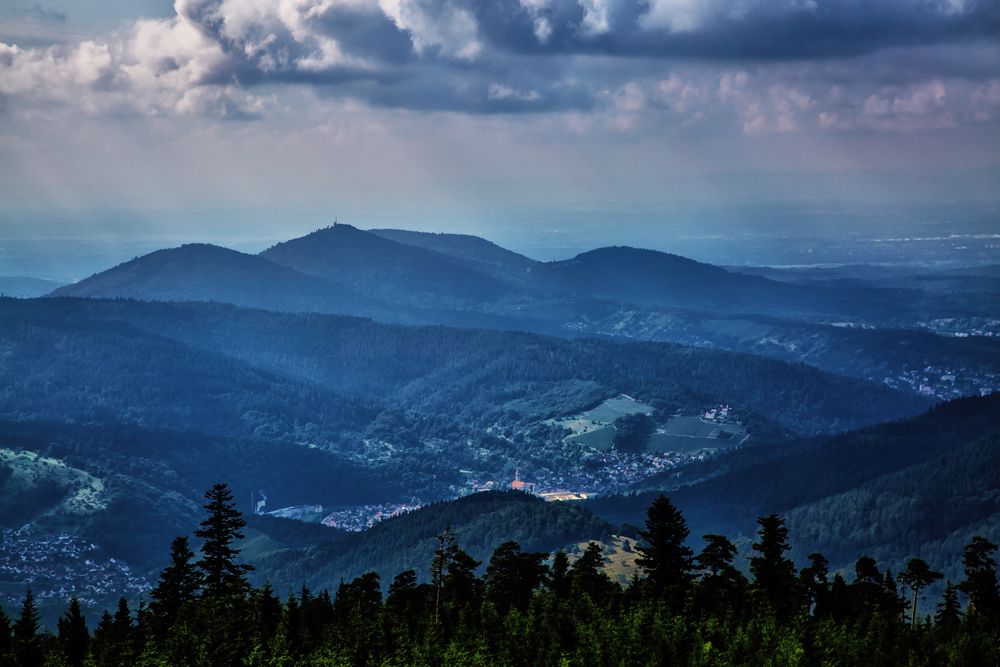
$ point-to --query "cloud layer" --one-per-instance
(764, 65)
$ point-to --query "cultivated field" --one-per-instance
(685, 434)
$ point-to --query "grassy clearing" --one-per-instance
(35, 486)
(619, 557)
(688, 434)
(593, 428)
(602, 438)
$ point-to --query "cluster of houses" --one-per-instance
(719, 414)
(362, 517)
(610, 471)
(945, 383)
(56, 566)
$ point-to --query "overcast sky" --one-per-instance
(243, 119)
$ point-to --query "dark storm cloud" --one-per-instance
(416, 58)
(729, 29)
(368, 34)
(512, 56)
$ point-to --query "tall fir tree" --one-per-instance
(178, 585)
(949, 610)
(222, 573)
(74, 638)
(27, 644)
(775, 581)
(664, 557)
(102, 645)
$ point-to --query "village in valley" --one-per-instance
(677, 441)
(56, 565)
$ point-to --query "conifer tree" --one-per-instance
(949, 611)
(222, 574)
(462, 588)
(774, 574)
(267, 616)
(981, 578)
(816, 583)
(102, 645)
(721, 583)
(291, 627)
(5, 640)
(559, 575)
(74, 638)
(587, 574)
(402, 590)
(890, 602)
(512, 576)
(122, 632)
(445, 544)
(664, 557)
(403, 599)
(178, 585)
(918, 575)
(27, 643)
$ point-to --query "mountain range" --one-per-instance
(880, 333)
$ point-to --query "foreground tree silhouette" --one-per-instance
(73, 634)
(27, 645)
(815, 581)
(949, 611)
(513, 575)
(4, 635)
(663, 556)
(722, 586)
(774, 574)
(981, 579)
(178, 585)
(445, 544)
(514, 621)
(222, 574)
(918, 575)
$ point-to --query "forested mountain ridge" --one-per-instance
(473, 250)
(915, 486)
(625, 293)
(480, 523)
(389, 270)
(438, 368)
(150, 399)
(203, 272)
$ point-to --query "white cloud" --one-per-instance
(677, 15)
(498, 91)
(436, 24)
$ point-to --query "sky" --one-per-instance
(538, 122)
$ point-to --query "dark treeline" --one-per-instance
(527, 608)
